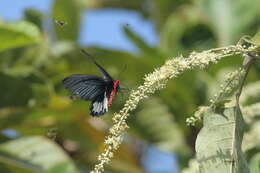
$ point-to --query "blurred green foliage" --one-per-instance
(33, 102)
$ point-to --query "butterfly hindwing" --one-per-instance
(100, 105)
(86, 87)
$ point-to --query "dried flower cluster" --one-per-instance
(191, 121)
(153, 82)
(230, 84)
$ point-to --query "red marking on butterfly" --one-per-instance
(112, 95)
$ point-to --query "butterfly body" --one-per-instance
(99, 90)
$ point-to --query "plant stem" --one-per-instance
(249, 60)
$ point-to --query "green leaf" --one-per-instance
(137, 40)
(66, 11)
(34, 16)
(251, 93)
(18, 34)
(60, 48)
(14, 91)
(256, 38)
(154, 123)
(161, 9)
(251, 138)
(36, 154)
(186, 32)
(144, 48)
(251, 112)
(228, 19)
(254, 163)
(218, 144)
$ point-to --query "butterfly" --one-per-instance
(99, 90)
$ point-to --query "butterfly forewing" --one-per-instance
(86, 87)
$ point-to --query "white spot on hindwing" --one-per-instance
(100, 108)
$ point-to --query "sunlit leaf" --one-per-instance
(36, 154)
(228, 19)
(218, 144)
(254, 163)
(62, 47)
(186, 32)
(18, 34)
(256, 38)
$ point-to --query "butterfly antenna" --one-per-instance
(125, 90)
(101, 69)
(123, 70)
(122, 96)
(89, 56)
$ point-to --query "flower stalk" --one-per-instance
(155, 81)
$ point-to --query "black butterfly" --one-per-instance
(99, 90)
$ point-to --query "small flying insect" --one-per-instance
(99, 90)
(61, 23)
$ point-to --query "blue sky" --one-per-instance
(105, 28)
(101, 28)
(157, 161)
